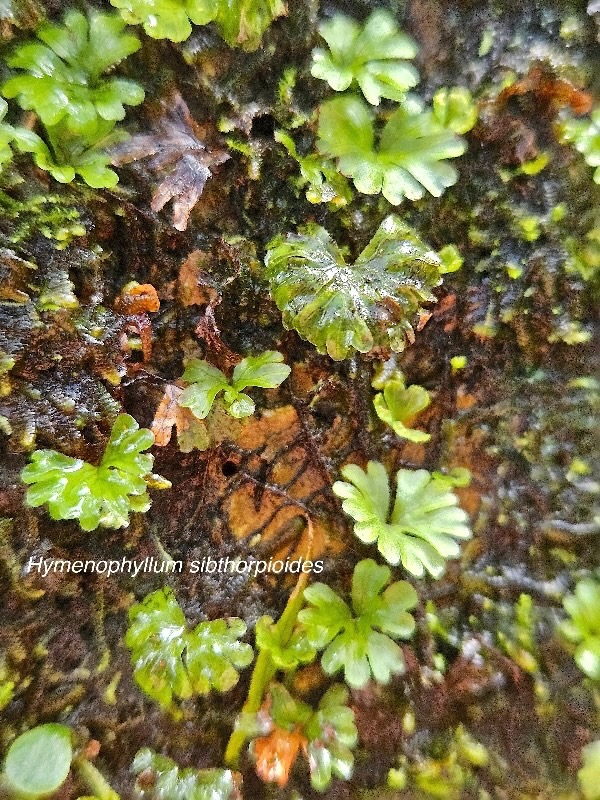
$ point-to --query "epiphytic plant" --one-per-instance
(424, 523)
(171, 661)
(206, 382)
(361, 641)
(375, 57)
(102, 495)
(409, 158)
(341, 307)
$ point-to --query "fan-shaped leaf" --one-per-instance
(374, 57)
(409, 159)
(95, 495)
(425, 521)
(361, 641)
(339, 307)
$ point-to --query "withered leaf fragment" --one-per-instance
(177, 152)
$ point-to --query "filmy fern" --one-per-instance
(266, 370)
(326, 735)
(159, 778)
(374, 57)
(361, 640)
(409, 158)
(102, 495)
(398, 406)
(341, 307)
(172, 661)
(424, 523)
(240, 22)
(62, 76)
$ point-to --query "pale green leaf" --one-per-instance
(373, 57)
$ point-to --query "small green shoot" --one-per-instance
(341, 307)
(583, 627)
(584, 134)
(425, 521)
(374, 57)
(171, 662)
(398, 406)
(589, 774)
(454, 109)
(409, 158)
(159, 778)
(102, 495)
(324, 183)
(287, 653)
(361, 640)
(38, 762)
(61, 78)
(265, 371)
(451, 259)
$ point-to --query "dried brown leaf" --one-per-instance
(191, 432)
(176, 150)
(195, 286)
(276, 754)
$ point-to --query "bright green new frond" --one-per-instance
(374, 57)
(584, 134)
(6, 135)
(266, 371)
(240, 22)
(170, 782)
(583, 627)
(589, 774)
(38, 761)
(454, 109)
(102, 495)
(61, 78)
(425, 522)
(171, 662)
(341, 307)
(398, 406)
(409, 158)
(361, 640)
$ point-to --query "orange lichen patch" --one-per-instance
(270, 431)
(553, 92)
(464, 400)
(445, 312)
(276, 754)
(281, 489)
(192, 433)
(194, 284)
(137, 298)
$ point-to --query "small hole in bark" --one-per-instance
(229, 469)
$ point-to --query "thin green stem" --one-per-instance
(94, 779)
(264, 668)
